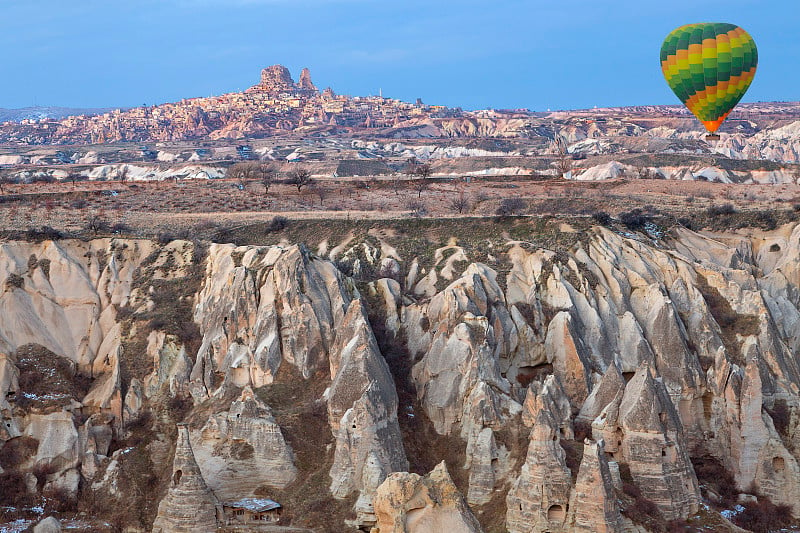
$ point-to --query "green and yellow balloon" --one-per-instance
(709, 66)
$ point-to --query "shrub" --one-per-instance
(583, 429)
(60, 500)
(602, 218)
(165, 237)
(460, 203)
(15, 491)
(120, 227)
(766, 220)
(640, 507)
(417, 207)
(678, 526)
(178, 406)
(15, 281)
(96, 223)
(45, 233)
(634, 219)
(763, 516)
(16, 451)
(713, 474)
(278, 223)
(717, 210)
(511, 206)
(41, 178)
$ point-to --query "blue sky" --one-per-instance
(473, 54)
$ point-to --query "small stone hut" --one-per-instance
(250, 510)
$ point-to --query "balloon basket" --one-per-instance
(712, 137)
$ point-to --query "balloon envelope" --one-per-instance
(709, 66)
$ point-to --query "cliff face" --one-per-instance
(572, 385)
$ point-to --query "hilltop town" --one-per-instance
(276, 105)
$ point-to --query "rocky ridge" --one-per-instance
(278, 106)
(582, 383)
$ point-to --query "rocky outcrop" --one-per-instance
(282, 306)
(593, 505)
(657, 351)
(275, 79)
(540, 497)
(362, 408)
(645, 432)
(408, 503)
(189, 505)
(48, 525)
(241, 449)
(305, 83)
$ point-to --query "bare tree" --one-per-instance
(410, 169)
(242, 171)
(321, 192)
(424, 170)
(419, 173)
(95, 223)
(299, 178)
(396, 183)
(123, 174)
(563, 158)
(266, 174)
(420, 184)
(461, 202)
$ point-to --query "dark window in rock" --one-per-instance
(176, 478)
(556, 512)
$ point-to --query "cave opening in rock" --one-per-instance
(527, 374)
(176, 478)
(556, 513)
(778, 464)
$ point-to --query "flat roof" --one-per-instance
(254, 505)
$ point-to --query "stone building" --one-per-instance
(251, 511)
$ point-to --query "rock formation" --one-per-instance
(275, 79)
(242, 449)
(282, 306)
(540, 497)
(189, 505)
(48, 525)
(593, 505)
(304, 83)
(647, 435)
(408, 503)
(658, 353)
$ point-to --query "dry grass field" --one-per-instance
(203, 206)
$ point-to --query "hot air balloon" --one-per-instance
(709, 66)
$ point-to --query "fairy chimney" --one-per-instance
(189, 504)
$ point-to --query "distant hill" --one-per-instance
(43, 112)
